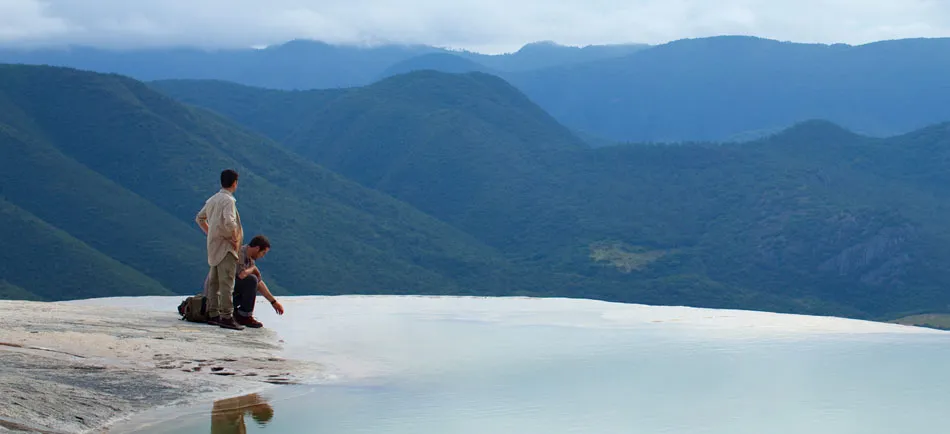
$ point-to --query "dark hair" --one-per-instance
(260, 241)
(228, 177)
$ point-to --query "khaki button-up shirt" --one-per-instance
(220, 212)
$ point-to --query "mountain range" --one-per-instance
(726, 88)
(298, 64)
(457, 183)
(104, 176)
(814, 214)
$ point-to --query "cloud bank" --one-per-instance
(481, 25)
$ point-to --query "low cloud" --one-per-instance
(482, 25)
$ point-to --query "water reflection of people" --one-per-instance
(227, 415)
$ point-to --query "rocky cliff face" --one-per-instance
(880, 258)
(872, 248)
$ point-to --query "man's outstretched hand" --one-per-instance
(278, 307)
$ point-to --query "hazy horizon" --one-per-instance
(391, 43)
(483, 26)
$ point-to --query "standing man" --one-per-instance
(220, 221)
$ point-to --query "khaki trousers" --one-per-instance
(221, 287)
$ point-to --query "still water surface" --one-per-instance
(432, 365)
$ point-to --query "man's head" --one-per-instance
(229, 180)
(258, 247)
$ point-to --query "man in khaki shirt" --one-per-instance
(220, 221)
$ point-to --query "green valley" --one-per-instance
(437, 183)
(813, 219)
(105, 176)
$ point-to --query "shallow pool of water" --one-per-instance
(434, 365)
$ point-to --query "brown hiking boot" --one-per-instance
(214, 320)
(249, 321)
(230, 323)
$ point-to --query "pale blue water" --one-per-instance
(483, 366)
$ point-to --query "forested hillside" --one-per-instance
(104, 176)
(813, 219)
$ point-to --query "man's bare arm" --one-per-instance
(262, 288)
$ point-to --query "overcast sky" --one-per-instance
(481, 25)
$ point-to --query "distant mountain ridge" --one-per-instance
(442, 62)
(297, 64)
(722, 88)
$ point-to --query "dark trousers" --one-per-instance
(245, 295)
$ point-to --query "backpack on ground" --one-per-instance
(194, 309)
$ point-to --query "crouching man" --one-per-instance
(248, 283)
